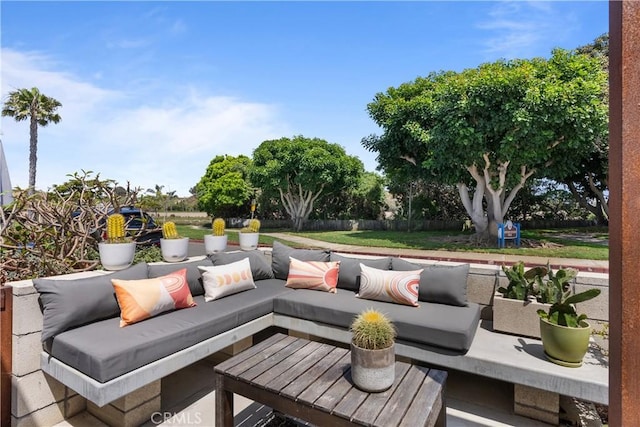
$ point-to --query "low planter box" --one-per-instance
(517, 317)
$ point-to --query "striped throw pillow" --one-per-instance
(145, 298)
(316, 275)
(400, 287)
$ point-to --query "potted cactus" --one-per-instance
(565, 334)
(174, 247)
(217, 240)
(373, 351)
(118, 250)
(250, 235)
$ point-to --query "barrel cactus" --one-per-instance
(115, 229)
(373, 330)
(169, 230)
(218, 227)
(252, 227)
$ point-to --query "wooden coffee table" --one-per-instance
(312, 381)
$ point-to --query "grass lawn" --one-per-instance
(581, 243)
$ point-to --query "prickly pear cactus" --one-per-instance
(218, 227)
(115, 228)
(169, 230)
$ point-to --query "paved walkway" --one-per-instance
(594, 266)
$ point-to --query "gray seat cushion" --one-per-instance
(443, 284)
(349, 276)
(193, 274)
(438, 325)
(103, 350)
(67, 304)
(281, 253)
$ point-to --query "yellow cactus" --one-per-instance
(169, 230)
(115, 228)
(218, 227)
(254, 225)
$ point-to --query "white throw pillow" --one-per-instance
(223, 280)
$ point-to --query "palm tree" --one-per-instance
(30, 104)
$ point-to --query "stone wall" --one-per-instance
(38, 399)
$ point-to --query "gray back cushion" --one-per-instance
(67, 304)
(439, 283)
(349, 276)
(260, 268)
(193, 274)
(281, 253)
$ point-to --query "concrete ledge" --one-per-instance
(104, 393)
(508, 358)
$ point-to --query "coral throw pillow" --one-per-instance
(400, 287)
(145, 298)
(317, 275)
(223, 280)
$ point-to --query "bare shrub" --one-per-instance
(57, 232)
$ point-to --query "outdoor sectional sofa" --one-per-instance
(85, 349)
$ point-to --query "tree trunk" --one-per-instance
(33, 151)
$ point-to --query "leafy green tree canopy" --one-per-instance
(299, 170)
(492, 127)
(224, 190)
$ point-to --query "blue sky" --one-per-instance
(152, 91)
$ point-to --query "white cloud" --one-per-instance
(167, 141)
(518, 27)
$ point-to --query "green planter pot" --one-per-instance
(563, 345)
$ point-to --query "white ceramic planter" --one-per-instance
(174, 250)
(116, 256)
(213, 244)
(248, 241)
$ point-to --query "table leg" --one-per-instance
(224, 404)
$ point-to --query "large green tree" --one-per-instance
(23, 104)
(299, 170)
(489, 129)
(589, 186)
(224, 190)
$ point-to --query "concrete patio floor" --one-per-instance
(188, 399)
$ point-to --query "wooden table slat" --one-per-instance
(326, 380)
(370, 409)
(428, 402)
(350, 403)
(299, 368)
(267, 360)
(251, 351)
(311, 376)
(334, 394)
(402, 398)
(284, 365)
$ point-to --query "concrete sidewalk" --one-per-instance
(594, 266)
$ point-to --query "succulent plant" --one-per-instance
(169, 230)
(115, 229)
(218, 226)
(252, 227)
(373, 330)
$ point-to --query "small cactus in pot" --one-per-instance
(174, 247)
(373, 351)
(217, 240)
(250, 235)
(115, 229)
(117, 250)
